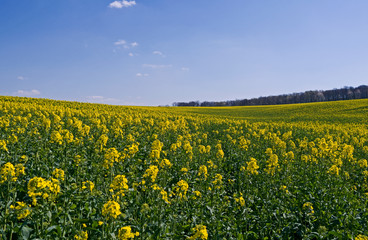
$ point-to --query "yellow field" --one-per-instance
(88, 171)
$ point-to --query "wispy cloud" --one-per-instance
(121, 4)
(21, 78)
(120, 42)
(125, 44)
(27, 93)
(131, 54)
(158, 53)
(185, 69)
(103, 100)
(155, 66)
(142, 74)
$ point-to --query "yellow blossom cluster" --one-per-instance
(58, 174)
(3, 145)
(308, 207)
(200, 232)
(7, 173)
(252, 166)
(203, 171)
(119, 185)
(83, 235)
(88, 185)
(112, 155)
(151, 173)
(126, 233)
(181, 188)
(111, 210)
(21, 209)
(40, 187)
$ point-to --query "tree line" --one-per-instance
(345, 93)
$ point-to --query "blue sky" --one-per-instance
(156, 52)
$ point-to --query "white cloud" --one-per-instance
(121, 4)
(25, 93)
(120, 42)
(155, 66)
(131, 54)
(125, 44)
(21, 78)
(103, 100)
(158, 53)
(185, 69)
(142, 74)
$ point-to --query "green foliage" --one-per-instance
(112, 172)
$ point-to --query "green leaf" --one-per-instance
(49, 215)
(49, 229)
(26, 231)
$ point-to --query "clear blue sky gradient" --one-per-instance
(187, 50)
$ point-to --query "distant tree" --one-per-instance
(344, 93)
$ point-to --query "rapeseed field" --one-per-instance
(82, 171)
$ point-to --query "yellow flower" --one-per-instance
(165, 162)
(252, 166)
(363, 163)
(211, 164)
(240, 200)
(119, 185)
(155, 154)
(7, 173)
(200, 232)
(151, 172)
(23, 159)
(197, 194)
(111, 156)
(126, 233)
(77, 159)
(102, 141)
(21, 209)
(202, 149)
(334, 170)
(203, 171)
(284, 188)
(182, 188)
(88, 185)
(308, 207)
(164, 196)
(220, 154)
(3, 145)
(56, 137)
(361, 237)
(19, 169)
(217, 181)
(67, 136)
(156, 149)
(133, 149)
(269, 151)
(59, 174)
(111, 209)
(173, 147)
(290, 155)
(39, 187)
(188, 149)
(272, 164)
(306, 158)
(83, 235)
